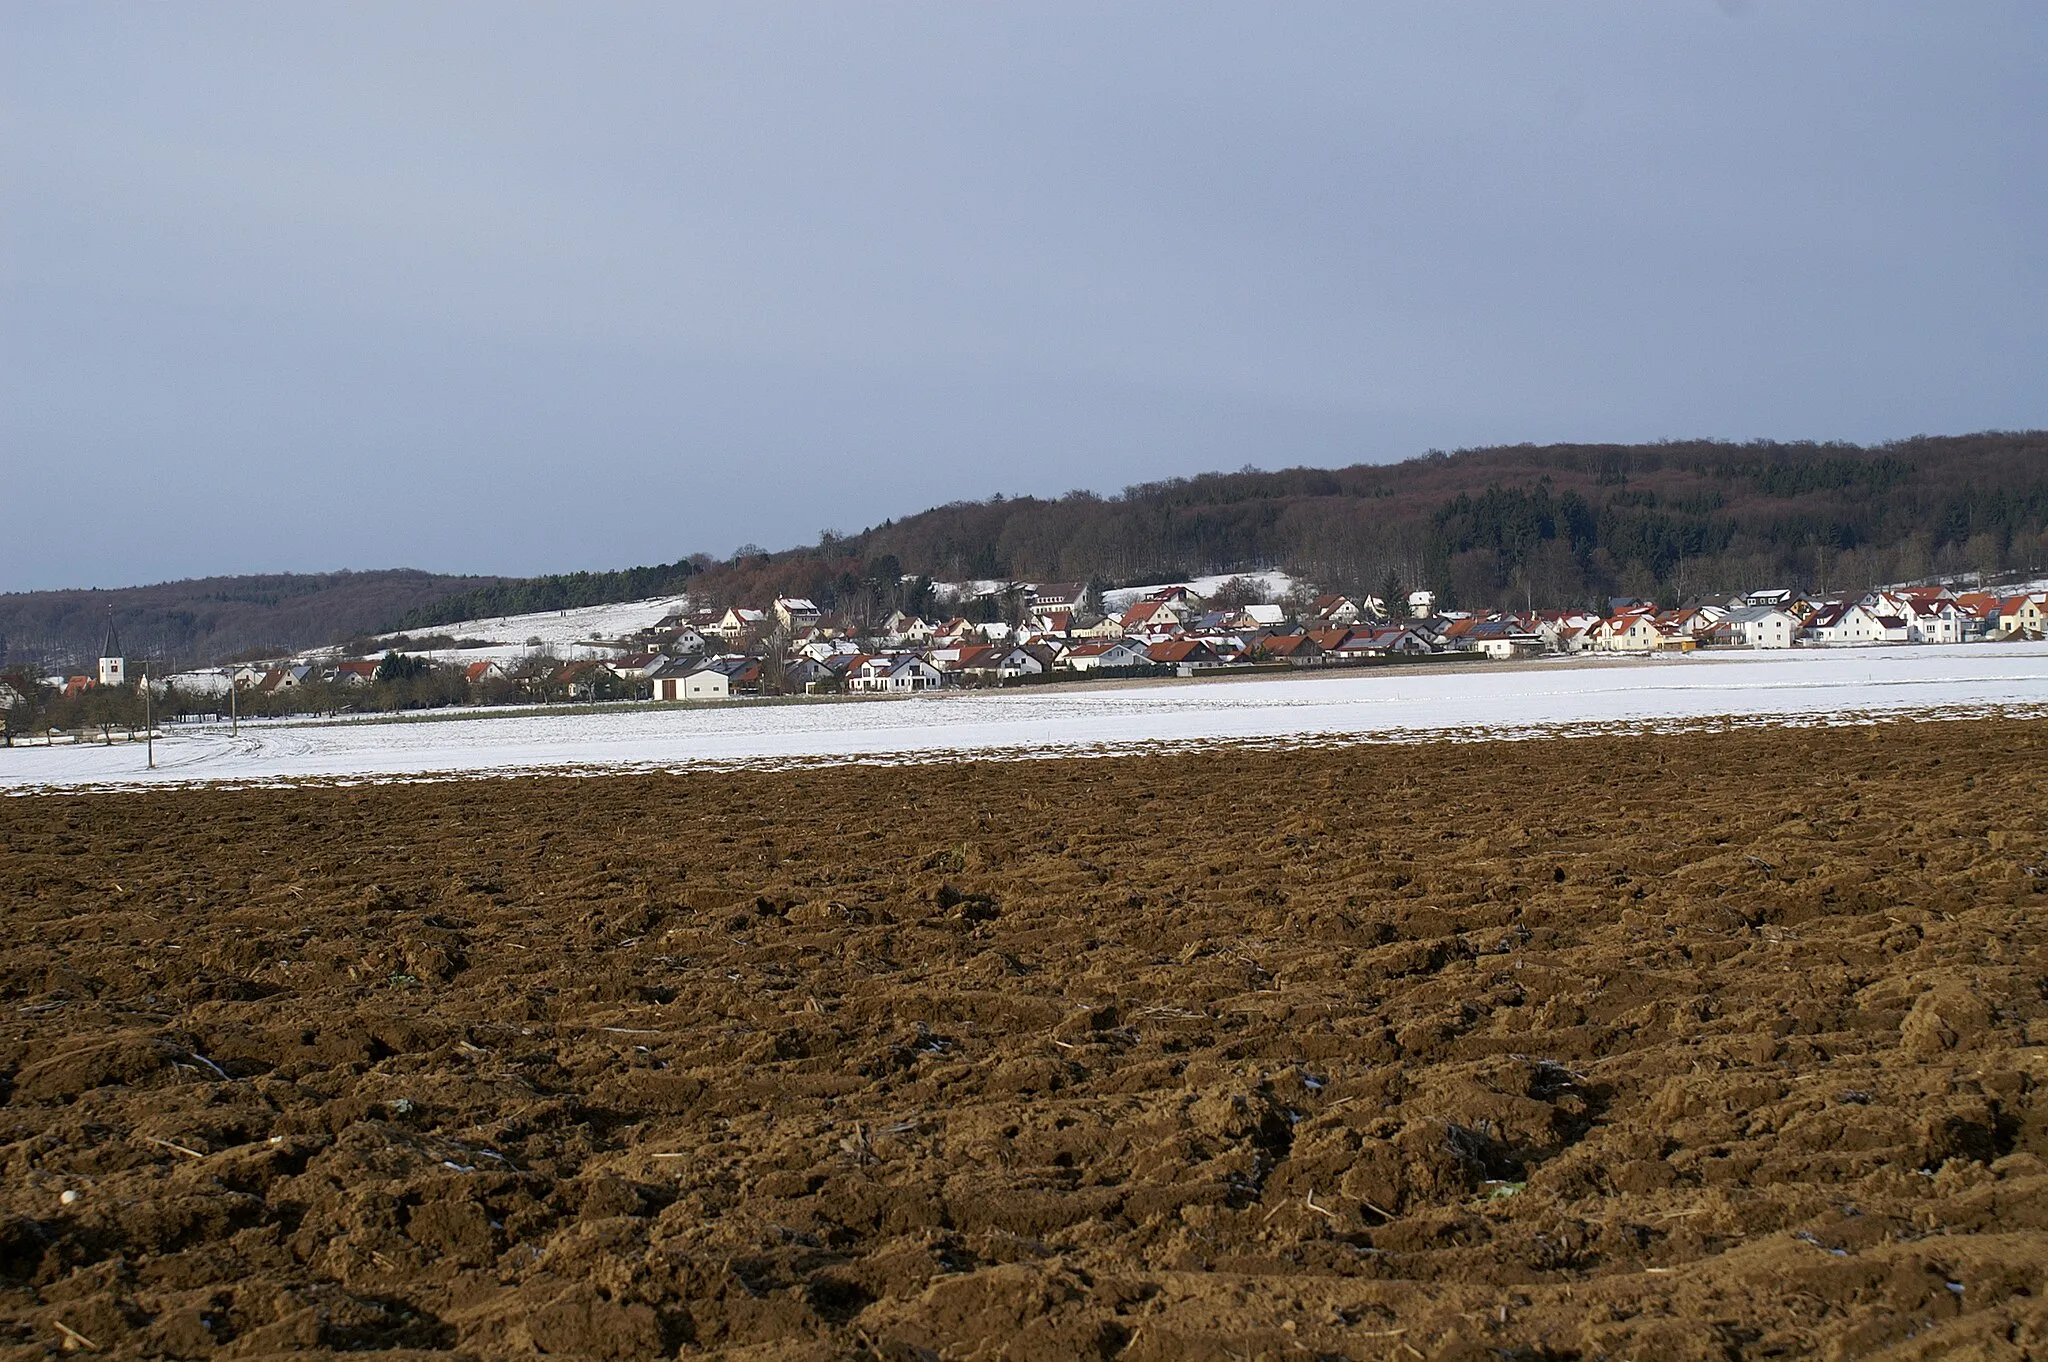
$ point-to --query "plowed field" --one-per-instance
(1720, 1046)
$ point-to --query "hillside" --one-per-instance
(1547, 526)
(213, 619)
(1550, 526)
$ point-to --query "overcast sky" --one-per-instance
(520, 288)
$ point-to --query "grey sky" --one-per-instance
(520, 288)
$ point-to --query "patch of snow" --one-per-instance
(1273, 582)
(567, 634)
(1390, 704)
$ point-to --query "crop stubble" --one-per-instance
(1695, 1046)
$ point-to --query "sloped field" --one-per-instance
(1678, 1046)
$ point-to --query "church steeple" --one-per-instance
(113, 666)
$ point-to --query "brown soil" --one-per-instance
(1682, 1046)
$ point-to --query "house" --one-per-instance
(1296, 650)
(1097, 654)
(908, 628)
(1141, 615)
(1758, 626)
(978, 661)
(1500, 639)
(1672, 639)
(1977, 614)
(1633, 632)
(355, 672)
(825, 649)
(1697, 620)
(1066, 596)
(484, 673)
(2023, 616)
(285, 678)
(1345, 647)
(715, 678)
(1107, 626)
(1259, 617)
(1024, 660)
(1185, 655)
(795, 612)
(829, 626)
(1053, 621)
(894, 672)
(1775, 598)
(636, 667)
(9, 696)
(807, 673)
(1929, 611)
(1846, 623)
(705, 683)
(740, 623)
(1421, 603)
(1328, 639)
(685, 641)
(585, 680)
(1341, 611)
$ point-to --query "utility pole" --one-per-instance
(234, 719)
(148, 717)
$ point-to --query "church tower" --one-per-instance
(113, 667)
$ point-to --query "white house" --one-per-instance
(706, 683)
(825, 649)
(905, 626)
(741, 622)
(1839, 625)
(796, 612)
(1023, 661)
(1761, 626)
(1107, 652)
(1636, 632)
(895, 672)
(1928, 614)
(1338, 610)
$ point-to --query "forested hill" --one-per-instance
(1549, 525)
(214, 619)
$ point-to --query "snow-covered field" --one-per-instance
(567, 634)
(1392, 705)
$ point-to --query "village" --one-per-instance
(790, 646)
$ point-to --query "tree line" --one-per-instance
(1550, 526)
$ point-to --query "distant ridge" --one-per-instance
(212, 619)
